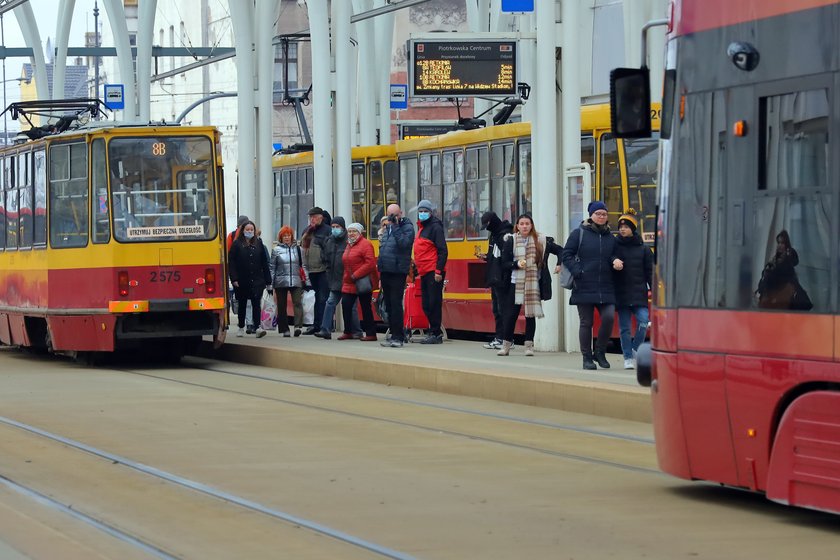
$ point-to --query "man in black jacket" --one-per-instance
(493, 272)
(394, 262)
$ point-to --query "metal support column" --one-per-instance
(145, 38)
(322, 129)
(62, 37)
(264, 25)
(116, 18)
(242, 19)
(344, 89)
(384, 47)
(29, 27)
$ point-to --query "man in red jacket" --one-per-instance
(430, 254)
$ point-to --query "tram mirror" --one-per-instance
(630, 102)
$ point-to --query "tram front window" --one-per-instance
(162, 189)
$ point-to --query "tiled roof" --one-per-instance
(75, 79)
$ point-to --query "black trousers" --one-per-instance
(498, 312)
(321, 285)
(511, 312)
(347, 303)
(432, 300)
(242, 299)
(393, 287)
(586, 312)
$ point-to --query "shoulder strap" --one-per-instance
(580, 241)
(300, 257)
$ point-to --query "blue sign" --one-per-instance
(399, 96)
(115, 96)
(517, 5)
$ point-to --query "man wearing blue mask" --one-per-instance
(394, 262)
(430, 254)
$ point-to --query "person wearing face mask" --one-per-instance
(359, 268)
(394, 261)
(249, 273)
(331, 256)
(590, 255)
(430, 254)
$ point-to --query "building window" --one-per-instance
(279, 62)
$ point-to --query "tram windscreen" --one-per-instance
(162, 189)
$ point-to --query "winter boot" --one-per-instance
(505, 350)
(601, 358)
(587, 361)
(529, 347)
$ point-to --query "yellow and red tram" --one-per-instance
(112, 237)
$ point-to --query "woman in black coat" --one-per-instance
(632, 285)
(589, 254)
(250, 274)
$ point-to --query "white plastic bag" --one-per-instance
(309, 307)
(268, 316)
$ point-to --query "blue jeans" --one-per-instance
(625, 313)
(329, 311)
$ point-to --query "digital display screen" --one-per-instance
(459, 68)
(408, 131)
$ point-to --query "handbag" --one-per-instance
(364, 285)
(381, 307)
(567, 279)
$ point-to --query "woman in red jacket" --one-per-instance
(358, 281)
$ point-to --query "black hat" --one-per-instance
(629, 219)
(489, 219)
(338, 220)
(316, 210)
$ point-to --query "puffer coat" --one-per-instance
(285, 266)
(248, 265)
(594, 247)
(633, 281)
(359, 261)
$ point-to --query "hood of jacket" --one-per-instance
(595, 228)
(634, 239)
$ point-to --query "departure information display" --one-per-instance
(459, 68)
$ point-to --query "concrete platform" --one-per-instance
(549, 379)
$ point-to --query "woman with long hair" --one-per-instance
(288, 276)
(523, 258)
(249, 273)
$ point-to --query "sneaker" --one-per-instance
(320, 334)
(346, 336)
(241, 332)
(326, 335)
(392, 343)
(494, 344)
(297, 332)
(260, 333)
(433, 339)
(287, 334)
(370, 338)
(249, 330)
(629, 363)
(309, 330)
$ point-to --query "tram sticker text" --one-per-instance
(164, 231)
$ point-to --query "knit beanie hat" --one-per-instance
(629, 219)
(357, 226)
(595, 205)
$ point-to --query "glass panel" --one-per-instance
(301, 181)
(408, 184)
(302, 206)
(159, 185)
(26, 193)
(795, 140)
(459, 167)
(478, 202)
(40, 180)
(792, 268)
(449, 167)
(359, 196)
(525, 194)
(69, 196)
(101, 232)
(641, 156)
(392, 187)
(503, 186)
(3, 223)
(377, 197)
(453, 211)
(435, 169)
(11, 219)
(425, 170)
(432, 193)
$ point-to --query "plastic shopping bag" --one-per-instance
(309, 307)
(268, 317)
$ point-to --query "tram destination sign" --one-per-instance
(460, 68)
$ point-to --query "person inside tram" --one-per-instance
(779, 286)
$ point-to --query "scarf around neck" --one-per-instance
(528, 284)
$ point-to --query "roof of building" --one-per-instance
(75, 79)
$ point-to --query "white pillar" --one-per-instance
(145, 38)
(366, 82)
(264, 24)
(384, 47)
(544, 157)
(242, 18)
(478, 19)
(62, 37)
(528, 64)
(344, 93)
(116, 18)
(322, 129)
(29, 27)
(570, 132)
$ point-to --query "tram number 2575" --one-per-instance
(165, 276)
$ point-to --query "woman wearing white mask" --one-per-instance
(249, 273)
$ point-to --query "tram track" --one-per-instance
(476, 435)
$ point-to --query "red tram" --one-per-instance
(745, 360)
(111, 237)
